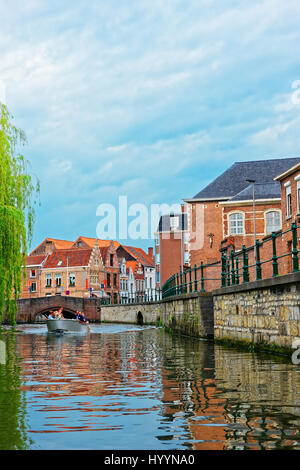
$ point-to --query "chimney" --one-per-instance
(150, 252)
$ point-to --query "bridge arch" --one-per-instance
(40, 315)
(140, 318)
(32, 310)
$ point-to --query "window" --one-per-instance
(33, 287)
(58, 280)
(108, 280)
(72, 280)
(273, 221)
(288, 201)
(48, 280)
(174, 222)
(236, 224)
(111, 260)
(115, 280)
(33, 273)
(298, 196)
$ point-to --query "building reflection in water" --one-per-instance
(154, 390)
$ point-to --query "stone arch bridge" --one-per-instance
(34, 309)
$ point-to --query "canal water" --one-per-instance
(130, 387)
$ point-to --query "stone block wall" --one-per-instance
(260, 312)
(190, 314)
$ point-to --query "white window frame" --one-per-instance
(57, 276)
(174, 222)
(267, 232)
(48, 280)
(33, 276)
(73, 277)
(236, 213)
(297, 178)
(288, 199)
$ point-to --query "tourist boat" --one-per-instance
(67, 325)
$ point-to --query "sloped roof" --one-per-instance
(71, 258)
(233, 180)
(59, 244)
(35, 260)
(134, 266)
(261, 191)
(140, 255)
(102, 243)
(164, 224)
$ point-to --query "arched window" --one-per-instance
(236, 224)
(272, 221)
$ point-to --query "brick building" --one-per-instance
(31, 286)
(108, 249)
(50, 244)
(223, 208)
(290, 206)
(171, 246)
(72, 272)
(142, 265)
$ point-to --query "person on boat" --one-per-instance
(81, 318)
(50, 316)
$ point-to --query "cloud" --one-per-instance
(149, 99)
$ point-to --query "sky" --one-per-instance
(149, 100)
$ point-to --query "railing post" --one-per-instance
(223, 270)
(196, 282)
(274, 257)
(191, 284)
(294, 250)
(228, 272)
(245, 265)
(177, 284)
(181, 290)
(202, 277)
(237, 276)
(258, 263)
(185, 283)
(232, 268)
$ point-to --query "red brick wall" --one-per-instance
(171, 254)
(247, 238)
(204, 247)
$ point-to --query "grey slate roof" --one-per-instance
(261, 191)
(233, 180)
(165, 225)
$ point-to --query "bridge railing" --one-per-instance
(121, 298)
(267, 258)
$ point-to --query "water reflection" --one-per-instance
(126, 387)
(13, 432)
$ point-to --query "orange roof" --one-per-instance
(59, 244)
(35, 260)
(134, 265)
(102, 243)
(140, 255)
(71, 258)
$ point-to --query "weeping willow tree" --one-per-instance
(17, 202)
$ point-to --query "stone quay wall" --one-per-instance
(190, 314)
(259, 312)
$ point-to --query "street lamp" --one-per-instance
(254, 227)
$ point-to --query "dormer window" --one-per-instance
(174, 222)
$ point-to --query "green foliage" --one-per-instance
(16, 213)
